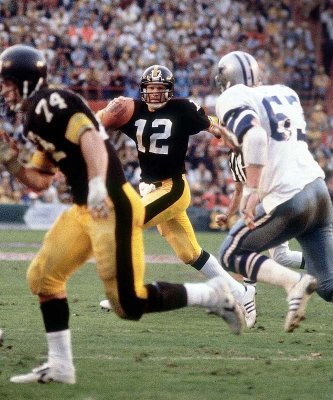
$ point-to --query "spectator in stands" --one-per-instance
(201, 174)
(326, 18)
(87, 44)
(321, 83)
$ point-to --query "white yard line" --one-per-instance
(28, 256)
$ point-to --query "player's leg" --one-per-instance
(167, 201)
(286, 257)
(119, 252)
(180, 235)
(318, 252)
(316, 240)
(124, 283)
(160, 204)
(65, 248)
(241, 250)
(166, 208)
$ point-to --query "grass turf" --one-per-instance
(181, 355)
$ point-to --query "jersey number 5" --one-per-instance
(154, 146)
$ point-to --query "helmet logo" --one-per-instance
(156, 74)
(40, 64)
(161, 76)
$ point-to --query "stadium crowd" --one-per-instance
(101, 52)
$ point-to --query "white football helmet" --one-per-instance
(235, 68)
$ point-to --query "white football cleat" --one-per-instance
(298, 297)
(248, 302)
(226, 306)
(46, 374)
(1, 337)
(105, 305)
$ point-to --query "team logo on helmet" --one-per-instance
(160, 75)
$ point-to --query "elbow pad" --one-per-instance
(255, 146)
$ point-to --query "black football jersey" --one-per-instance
(162, 136)
(54, 120)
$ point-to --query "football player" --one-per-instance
(105, 220)
(282, 253)
(285, 195)
(161, 125)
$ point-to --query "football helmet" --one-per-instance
(25, 66)
(157, 74)
(235, 68)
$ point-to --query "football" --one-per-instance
(118, 112)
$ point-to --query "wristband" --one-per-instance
(96, 184)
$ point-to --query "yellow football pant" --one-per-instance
(166, 208)
(116, 243)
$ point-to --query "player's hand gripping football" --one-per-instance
(99, 203)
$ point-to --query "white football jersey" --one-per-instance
(290, 165)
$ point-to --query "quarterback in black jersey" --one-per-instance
(105, 220)
(161, 126)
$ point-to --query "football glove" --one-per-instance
(98, 201)
(146, 188)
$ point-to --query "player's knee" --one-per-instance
(325, 291)
(187, 253)
(35, 276)
(189, 257)
(227, 261)
(127, 303)
(41, 281)
(132, 312)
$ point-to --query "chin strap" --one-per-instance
(26, 88)
(25, 93)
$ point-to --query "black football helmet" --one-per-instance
(25, 66)
(159, 75)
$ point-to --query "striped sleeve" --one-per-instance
(239, 120)
(237, 167)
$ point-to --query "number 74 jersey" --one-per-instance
(55, 120)
(290, 165)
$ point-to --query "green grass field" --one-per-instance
(181, 355)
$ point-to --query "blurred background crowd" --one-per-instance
(100, 49)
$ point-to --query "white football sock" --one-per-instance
(200, 294)
(213, 268)
(274, 273)
(60, 348)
